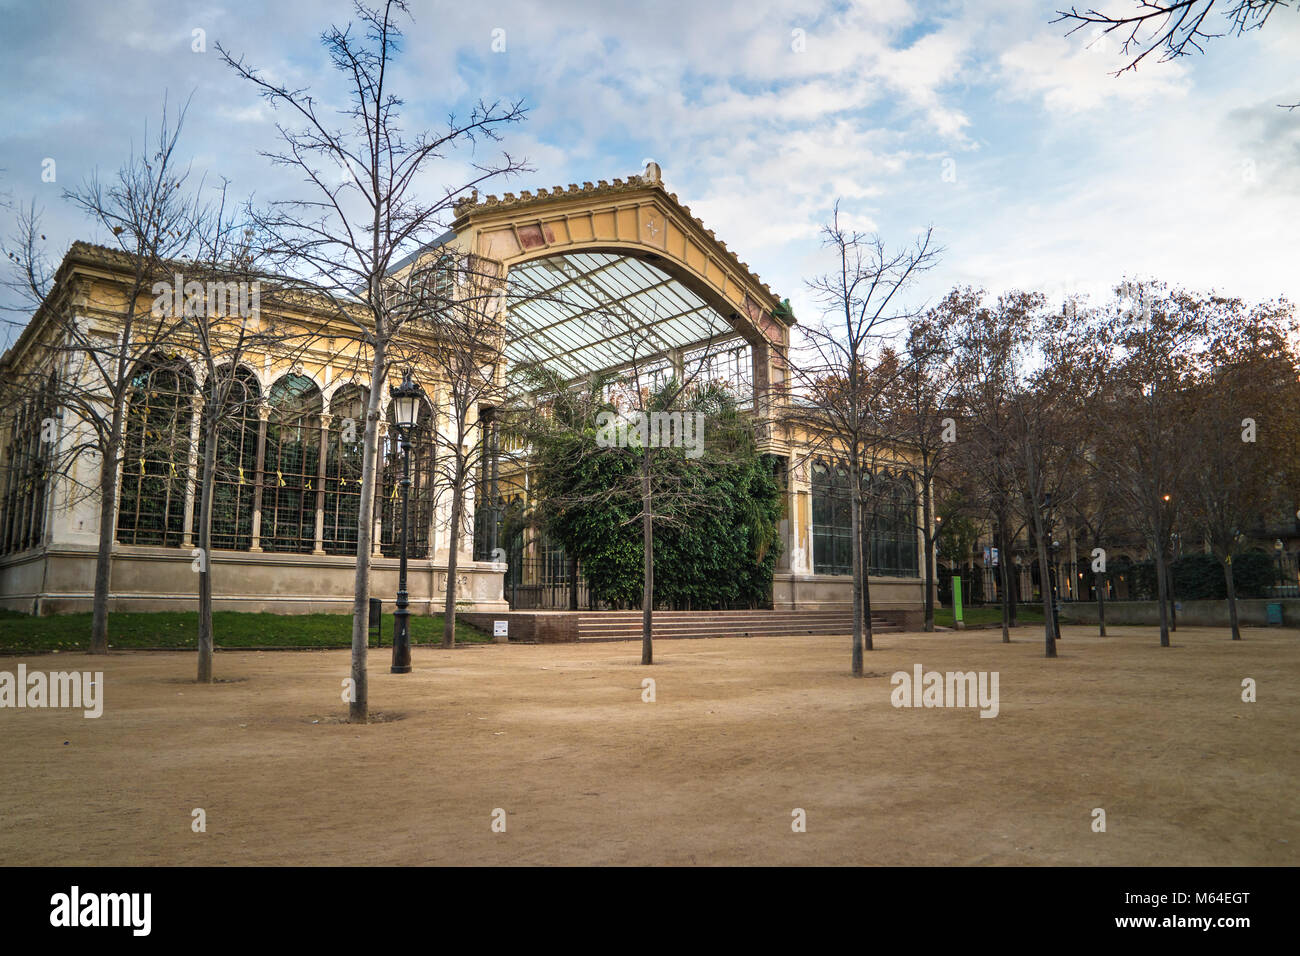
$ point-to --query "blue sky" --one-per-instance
(1061, 176)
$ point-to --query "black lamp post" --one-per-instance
(406, 406)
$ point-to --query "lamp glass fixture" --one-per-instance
(406, 402)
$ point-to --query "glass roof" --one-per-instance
(588, 312)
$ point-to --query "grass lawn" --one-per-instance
(989, 614)
(22, 633)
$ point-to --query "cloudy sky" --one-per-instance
(1036, 167)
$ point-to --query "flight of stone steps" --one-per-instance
(626, 625)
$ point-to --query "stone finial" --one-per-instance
(588, 186)
(653, 174)
(525, 195)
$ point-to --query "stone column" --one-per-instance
(799, 536)
(321, 462)
(377, 503)
(263, 414)
(191, 473)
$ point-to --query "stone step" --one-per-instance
(626, 625)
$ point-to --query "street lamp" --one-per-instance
(406, 406)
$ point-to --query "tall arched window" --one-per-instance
(893, 550)
(390, 502)
(156, 450)
(236, 477)
(832, 519)
(888, 523)
(347, 434)
(292, 466)
(25, 472)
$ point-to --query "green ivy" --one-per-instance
(716, 547)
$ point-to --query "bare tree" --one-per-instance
(654, 413)
(463, 317)
(988, 345)
(1044, 441)
(1244, 428)
(1147, 347)
(224, 325)
(841, 403)
(918, 408)
(366, 210)
(152, 217)
(1174, 27)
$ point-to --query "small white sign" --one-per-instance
(500, 628)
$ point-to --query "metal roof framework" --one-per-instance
(580, 313)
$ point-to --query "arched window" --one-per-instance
(832, 519)
(156, 450)
(893, 550)
(25, 472)
(236, 477)
(347, 434)
(421, 502)
(292, 466)
(888, 522)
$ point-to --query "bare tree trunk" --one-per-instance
(1162, 594)
(206, 491)
(1049, 621)
(1232, 599)
(647, 561)
(868, 636)
(453, 549)
(1004, 575)
(1173, 611)
(927, 537)
(855, 504)
(1100, 583)
(1013, 591)
(104, 553)
(359, 703)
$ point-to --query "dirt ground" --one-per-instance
(741, 733)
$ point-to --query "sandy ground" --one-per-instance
(741, 733)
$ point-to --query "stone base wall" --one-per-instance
(60, 581)
(902, 600)
(528, 627)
